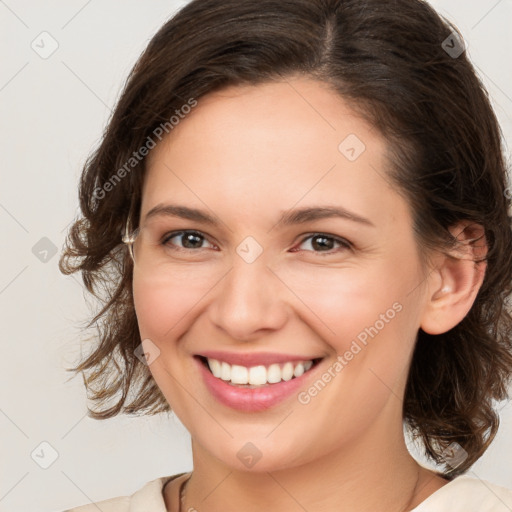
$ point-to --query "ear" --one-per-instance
(455, 279)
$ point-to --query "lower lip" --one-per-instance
(255, 399)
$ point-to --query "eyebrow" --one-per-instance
(288, 218)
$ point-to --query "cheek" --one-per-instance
(345, 301)
(162, 305)
(362, 306)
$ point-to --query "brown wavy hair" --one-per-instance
(391, 62)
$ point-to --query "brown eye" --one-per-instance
(189, 240)
(323, 243)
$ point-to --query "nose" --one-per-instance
(250, 301)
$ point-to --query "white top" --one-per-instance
(462, 494)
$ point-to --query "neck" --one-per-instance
(369, 474)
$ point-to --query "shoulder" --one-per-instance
(147, 498)
(468, 494)
(119, 504)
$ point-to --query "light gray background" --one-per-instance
(53, 112)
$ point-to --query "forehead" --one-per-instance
(282, 114)
(271, 146)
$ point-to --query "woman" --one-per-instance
(299, 209)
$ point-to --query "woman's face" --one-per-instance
(346, 288)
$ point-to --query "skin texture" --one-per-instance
(245, 155)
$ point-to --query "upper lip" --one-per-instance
(256, 359)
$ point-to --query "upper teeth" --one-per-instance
(257, 375)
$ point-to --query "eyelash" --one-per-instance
(345, 244)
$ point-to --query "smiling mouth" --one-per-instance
(257, 376)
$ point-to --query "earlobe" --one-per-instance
(456, 279)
